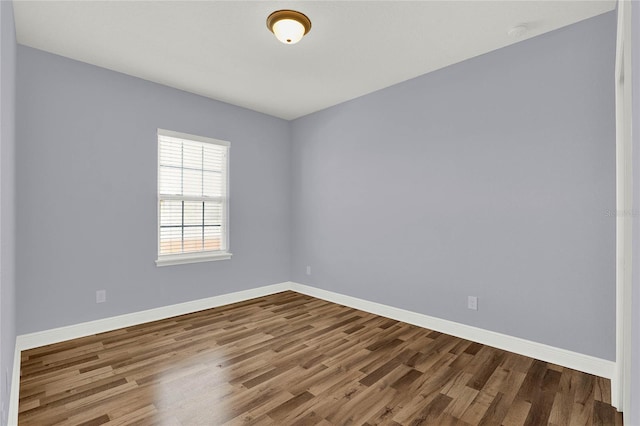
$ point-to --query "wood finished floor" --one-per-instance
(292, 359)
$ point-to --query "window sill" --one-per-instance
(191, 258)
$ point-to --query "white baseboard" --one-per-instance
(563, 357)
(577, 361)
(55, 335)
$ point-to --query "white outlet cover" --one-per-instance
(472, 303)
(101, 296)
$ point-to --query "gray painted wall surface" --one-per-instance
(632, 416)
(7, 200)
(490, 178)
(86, 179)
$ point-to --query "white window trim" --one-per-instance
(202, 256)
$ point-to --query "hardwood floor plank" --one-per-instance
(478, 408)
(96, 421)
(291, 359)
(603, 414)
(517, 413)
(541, 405)
(563, 403)
(499, 407)
(582, 413)
(285, 408)
(407, 379)
(461, 402)
(479, 380)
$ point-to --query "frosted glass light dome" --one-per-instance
(288, 31)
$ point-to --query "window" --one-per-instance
(192, 199)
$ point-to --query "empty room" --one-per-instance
(319, 212)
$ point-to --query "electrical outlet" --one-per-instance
(308, 270)
(101, 296)
(472, 303)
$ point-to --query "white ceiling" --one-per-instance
(223, 50)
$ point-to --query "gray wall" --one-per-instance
(490, 178)
(632, 416)
(86, 205)
(7, 200)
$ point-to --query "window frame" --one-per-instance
(200, 256)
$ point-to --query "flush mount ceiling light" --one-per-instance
(288, 26)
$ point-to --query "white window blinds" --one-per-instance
(192, 194)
